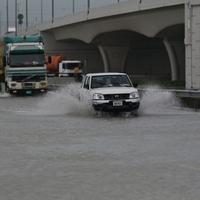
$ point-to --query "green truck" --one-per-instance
(24, 63)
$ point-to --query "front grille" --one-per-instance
(28, 85)
(116, 96)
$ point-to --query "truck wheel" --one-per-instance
(6, 87)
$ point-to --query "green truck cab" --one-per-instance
(25, 68)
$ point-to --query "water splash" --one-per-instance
(157, 100)
(72, 100)
(64, 101)
(154, 100)
(4, 95)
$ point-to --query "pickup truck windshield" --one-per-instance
(110, 81)
(27, 60)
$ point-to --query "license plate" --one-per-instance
(117, 103)
(28, 92)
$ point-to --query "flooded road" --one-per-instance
(55, 148)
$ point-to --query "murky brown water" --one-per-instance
(56, 148)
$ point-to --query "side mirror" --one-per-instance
(135, 85)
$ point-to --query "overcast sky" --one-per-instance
(62, 8)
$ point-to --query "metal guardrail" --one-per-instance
(179, 93)
(187, 94)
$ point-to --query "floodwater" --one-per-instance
(55, 148)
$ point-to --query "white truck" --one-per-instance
(25, 69)
(70, 68)
(111, 92)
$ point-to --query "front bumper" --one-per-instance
(27, 91)
(107, 105)
(27, 88)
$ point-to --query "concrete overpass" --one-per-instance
(154, 39)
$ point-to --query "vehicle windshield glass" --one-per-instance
(28, 78)
(110, 81)
(27, 60)
(71, 65)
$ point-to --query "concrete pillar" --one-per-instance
(192, 44)
(172, 59)
(179, 49)
(114, 57)
(104, 58)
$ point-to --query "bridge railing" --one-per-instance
(49, 13)
(41, 11)
(60, 8)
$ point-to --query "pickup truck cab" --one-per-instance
(111, 92)
(70, 68)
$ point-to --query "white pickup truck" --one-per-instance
(111, 92)
(70, 68)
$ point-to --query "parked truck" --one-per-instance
(25, 69)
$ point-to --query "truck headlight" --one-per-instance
(98, 96)
(134, 95)
(13, 84)
(43, 84)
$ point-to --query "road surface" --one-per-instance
(55, 148)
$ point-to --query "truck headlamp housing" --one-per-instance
(13, 84)
(134, 95)
(97, 96)
(43, 84)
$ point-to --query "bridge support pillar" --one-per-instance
(172, 59)
(114, 57)
(192, 44)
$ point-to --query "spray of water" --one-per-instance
(4, 95)
(64, 101)
(72, 100)
(156, 100)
